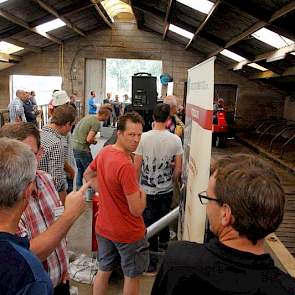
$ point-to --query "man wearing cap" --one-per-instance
(84, 135)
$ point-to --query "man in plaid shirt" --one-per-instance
(53, 158)
(16, 107)
(43, 222)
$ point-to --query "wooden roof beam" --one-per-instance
(212, 10)
(14, 19)
(167, 18)
(269, 55)
(260, 24)
(23, 45)
(8, 57)
(99, 10)
(52, 11)
(270, 74)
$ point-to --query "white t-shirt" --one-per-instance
(158, 148)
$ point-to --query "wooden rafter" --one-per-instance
(8, 57)
(99, 10)
(167, 18)
(269, 55)
(23, 45)
(14, 19)
(270, 74)
(260, 24)
(213, 8)
(52, 11)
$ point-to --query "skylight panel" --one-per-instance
(9, 48)
(271, 38)
(232, 55)
(200, 5)
(257, 66)
(49, 26)
(181, 31)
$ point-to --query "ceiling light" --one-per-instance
(9, 48)
(293, 53)
(49, 26)
(232, 55)
(2, 1)
(181, 31)
(200, 5)
(257, 66)
(271, 38)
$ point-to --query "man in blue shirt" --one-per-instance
(20, 270)
(92, 103)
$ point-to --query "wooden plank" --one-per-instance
(282, 257)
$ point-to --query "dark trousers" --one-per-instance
(157, 206)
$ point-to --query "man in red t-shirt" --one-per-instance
(119, 226)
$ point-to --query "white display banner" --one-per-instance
(197, 146)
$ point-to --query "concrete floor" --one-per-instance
(79, 241)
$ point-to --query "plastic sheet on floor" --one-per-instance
(83, 269)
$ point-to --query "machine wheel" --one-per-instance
(220, 141)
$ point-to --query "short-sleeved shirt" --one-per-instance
(158, 149)
(16, 110)
(92, 108)
(20, 270)
(38, 217)
(53, 158)
(86, 124)
(117, 178)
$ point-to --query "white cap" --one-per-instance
(59, 98)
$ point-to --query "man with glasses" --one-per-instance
(245, 202)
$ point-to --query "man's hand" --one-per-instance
(75, 203)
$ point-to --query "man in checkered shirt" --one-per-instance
(53, 158)
(16, 107)
(40, 222)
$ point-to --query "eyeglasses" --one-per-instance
(204, 199)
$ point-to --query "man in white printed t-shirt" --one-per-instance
(158, 160)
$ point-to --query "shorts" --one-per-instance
(134, 257)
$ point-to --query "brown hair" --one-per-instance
(251, 188)
(105, 109)
(20, 131)
(134, 117)
(63, 114)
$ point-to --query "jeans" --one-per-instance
(157, 206)
(83, 159)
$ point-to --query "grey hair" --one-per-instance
(18, 167)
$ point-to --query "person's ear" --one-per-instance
(226, 215)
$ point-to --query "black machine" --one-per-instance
(144, 96)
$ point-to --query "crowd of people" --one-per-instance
(118, 107)
(134, 179)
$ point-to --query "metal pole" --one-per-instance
(162, 223)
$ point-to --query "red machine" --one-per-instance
(219, 128)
